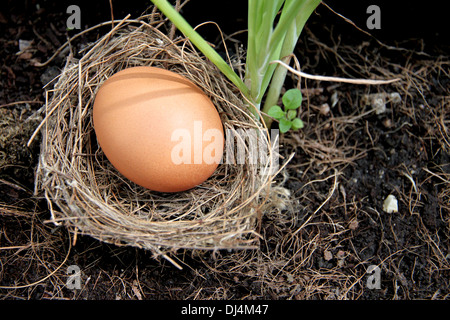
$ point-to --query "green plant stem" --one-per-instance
(268, 40)
(177, 19)
(261, 16)
(274, 92)
(266, 43)
(290, 41)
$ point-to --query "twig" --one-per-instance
(336, 174)
(173, 28)
(333, 79)
(47, 276)
(371, 35)
(78, 35)
(112, 14)
(13, 185)
(19, 102)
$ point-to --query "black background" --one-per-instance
(400, 19)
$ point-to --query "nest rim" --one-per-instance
(222, 213)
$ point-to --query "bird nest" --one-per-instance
(86, 194)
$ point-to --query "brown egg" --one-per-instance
(158, 129)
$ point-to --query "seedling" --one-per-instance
(287, 118)
(274, 27)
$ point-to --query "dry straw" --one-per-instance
(86, 194)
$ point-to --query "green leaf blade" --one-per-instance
(285, 125)
(276, 112)
(291, 114)
(292, 99)
(297, 124)
(178, 20)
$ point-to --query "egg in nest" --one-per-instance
(158, 129)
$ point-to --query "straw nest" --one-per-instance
(86, 194)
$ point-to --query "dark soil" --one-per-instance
(347, 161)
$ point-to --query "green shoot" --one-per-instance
(272, 36)
(287, 118)
(293, 32)
(177, 19)
(274, 27)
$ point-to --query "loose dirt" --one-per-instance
(348, 159)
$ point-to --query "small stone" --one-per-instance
(334, 99)
(324, 109)
(390, 205)
(353, 225)
(395, 97)
(379, 104)
(327, 255)
(24, 44)
(387, 123)
(289, 278)
(341, 254)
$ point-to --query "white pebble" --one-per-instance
(390, 204)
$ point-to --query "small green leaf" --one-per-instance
(297, 124)
(276, 112)
(292, 99)
(291, 114)
(285, 125)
